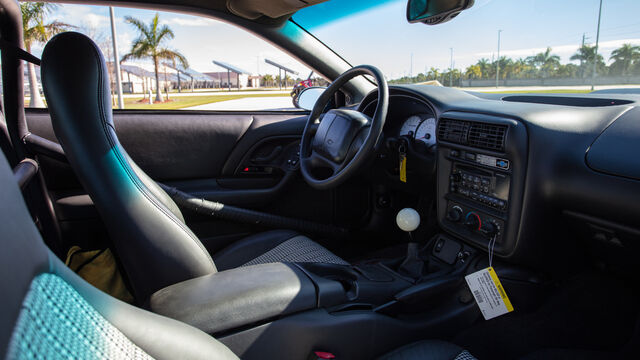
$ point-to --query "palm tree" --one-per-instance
(623, 57)
(484, 67)
(473, 72)
(36, 31)
(150, 45)
(267, 80)
(586, 55)
(545, 62)
(434, 73)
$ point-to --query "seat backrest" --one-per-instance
(154, 245)
(48, 311)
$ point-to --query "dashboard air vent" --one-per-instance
(475, 134)
(453, 131)
(487, 136)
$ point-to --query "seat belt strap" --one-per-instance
(18, 52)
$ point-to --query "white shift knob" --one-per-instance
(408, 219)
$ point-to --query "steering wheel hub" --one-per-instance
(337, 132)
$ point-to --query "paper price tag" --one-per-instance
(489, 293)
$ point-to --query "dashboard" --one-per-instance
(538, 175)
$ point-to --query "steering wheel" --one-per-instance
(341, 140)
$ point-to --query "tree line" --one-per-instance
(625, 61)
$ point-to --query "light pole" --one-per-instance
(451, 69)
(116, 60)
(498, 60)
(595, 55)
(411, 67)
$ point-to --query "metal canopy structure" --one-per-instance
(190, 73)
(230, 68)
(280, 69)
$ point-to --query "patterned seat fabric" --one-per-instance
(298, 249)
(429, 350)
(57, 323)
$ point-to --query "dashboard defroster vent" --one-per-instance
(475, 134)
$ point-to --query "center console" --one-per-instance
(481, 171)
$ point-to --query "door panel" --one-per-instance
(205, 154)
(169, 146)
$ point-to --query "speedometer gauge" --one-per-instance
(426, 131)
(410, 125)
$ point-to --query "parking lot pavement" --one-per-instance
(251, 104)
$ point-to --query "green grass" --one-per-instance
(226, 90)
(554, 91)
(181, 102)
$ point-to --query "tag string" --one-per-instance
(490, 246)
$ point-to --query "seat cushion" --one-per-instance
(429, 350)
(274, 246)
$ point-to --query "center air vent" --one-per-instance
(475, 134)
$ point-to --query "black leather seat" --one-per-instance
(148, 230)
(49, 312)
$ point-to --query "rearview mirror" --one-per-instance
(432, 12)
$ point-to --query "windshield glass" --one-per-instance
(524, 45)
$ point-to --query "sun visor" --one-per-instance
(253, 9)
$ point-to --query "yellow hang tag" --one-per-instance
(403, 168)
(489, 293)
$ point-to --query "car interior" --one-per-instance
(352, 230)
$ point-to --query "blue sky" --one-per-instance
(382, 37)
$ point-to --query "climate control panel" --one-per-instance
(473, 222)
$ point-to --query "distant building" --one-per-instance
(140, 78)
(254, 81)
(224, 79)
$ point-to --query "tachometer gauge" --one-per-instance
(410, 125)
(426, 131)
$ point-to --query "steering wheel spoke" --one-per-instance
(315, 160)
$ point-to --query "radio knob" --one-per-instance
(454, 214)
(472, 221)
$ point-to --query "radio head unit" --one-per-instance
(491, 188)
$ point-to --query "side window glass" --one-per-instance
(171, 61)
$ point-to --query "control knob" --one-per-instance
(472, 221)
(489, 228)
(454, 214)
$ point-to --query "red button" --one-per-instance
(324, 355)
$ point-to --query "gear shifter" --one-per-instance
(408, 220)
